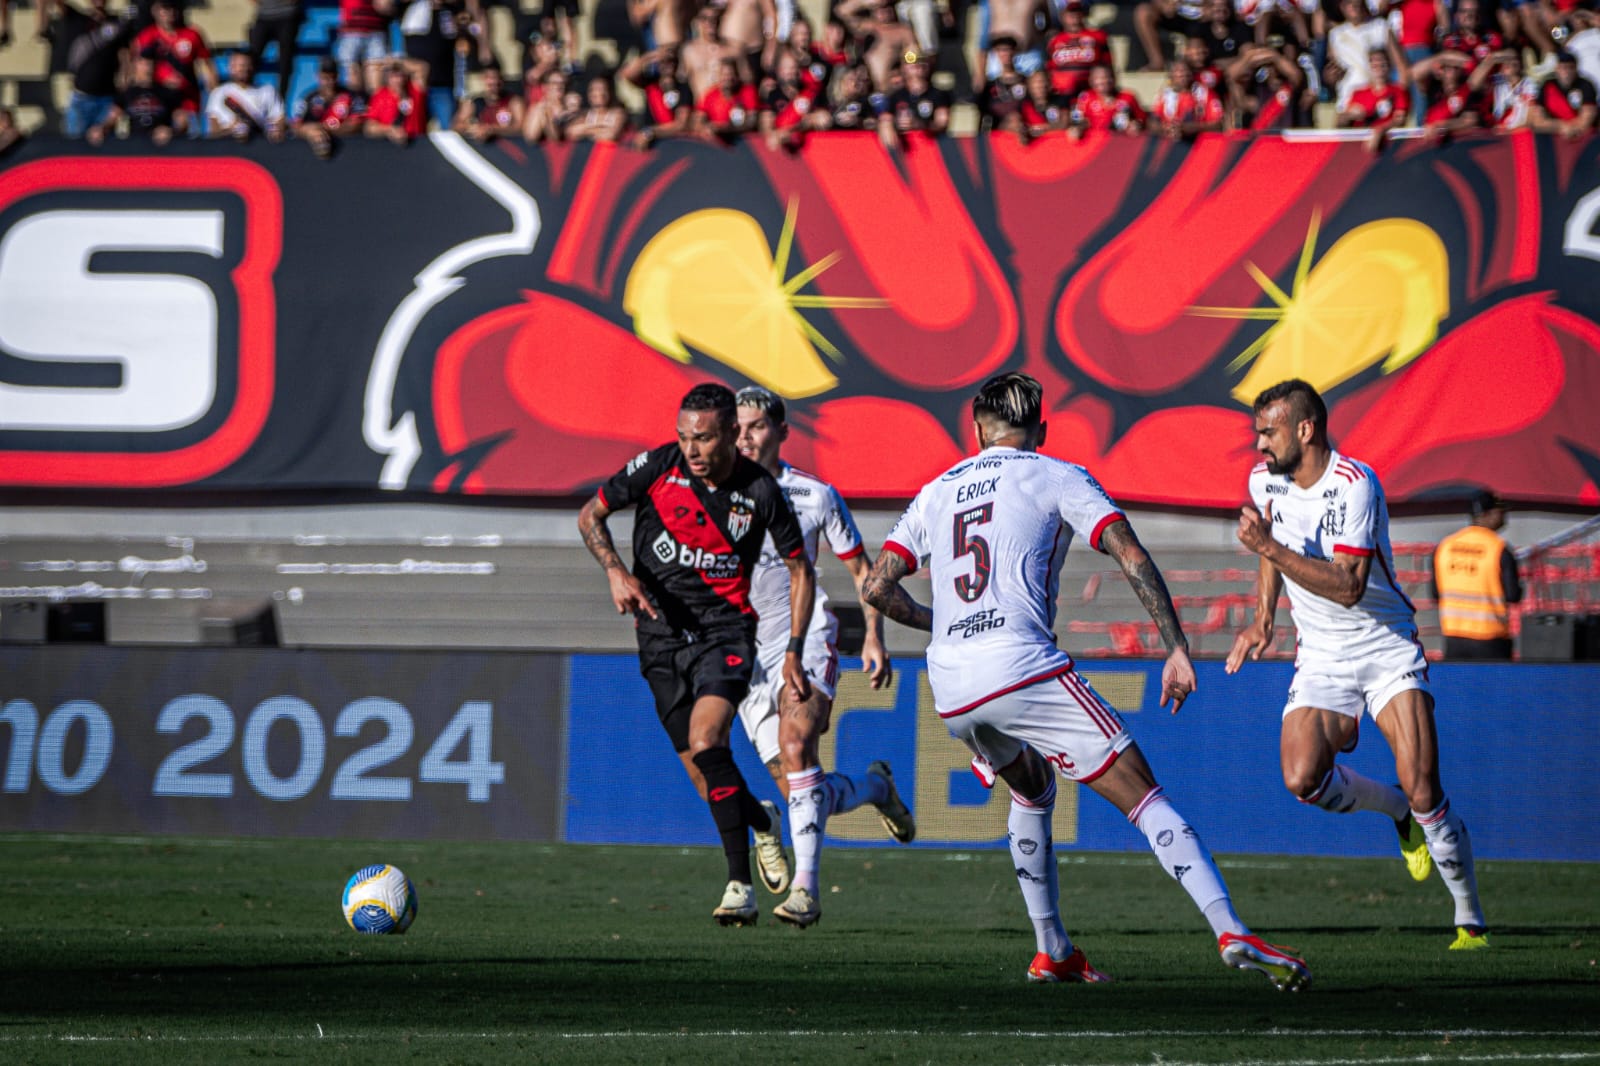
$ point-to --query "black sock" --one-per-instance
(729, 801)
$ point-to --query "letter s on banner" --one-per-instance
(117, 367)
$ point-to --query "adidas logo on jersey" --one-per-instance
(717, 565)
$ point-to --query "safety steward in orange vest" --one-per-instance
(1475, 575)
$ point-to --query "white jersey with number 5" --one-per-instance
(993, 531)
(1344, 513)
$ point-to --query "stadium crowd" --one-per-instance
(742, 67)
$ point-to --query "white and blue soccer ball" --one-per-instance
(379, 899)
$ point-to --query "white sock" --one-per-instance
(808, 814)
(1177, 845)
(848, 793)
(1344, 791)
(1451, 849)
(1034, 854)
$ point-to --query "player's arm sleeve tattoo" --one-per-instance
(1122, 544)
(596, 537)
(882, 590)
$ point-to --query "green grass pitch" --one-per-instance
(178, 950)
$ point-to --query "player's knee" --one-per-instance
(1303, 782)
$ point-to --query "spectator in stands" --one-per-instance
(153, 111)
(277, 20)
(1584, 42)
(540, 55)
(496, 112)
(918, 106)
(1044, 110)
(881, 38)
(241, 109)
(1269, 91)
(1205, 70)
(1184, 108)
(362, 42)
(1021, 21)
(11, 134)
(750, 28)
(328, 111)
(436, 34)
(852, 106)
(1451, 105)
(1006, 87)
(1422, 27)
(1475, 578)
(94, 58)
(817, 64)
(924, 19)
(700, 57)
(601, 118)
(1566, 103)
(1294, 20)
(1508, 93)
(668, 102)
(1105, 108)
(730, 107)
(1467, 38)
(1156, 20)
(1525, 22)
(547, 119)
(789, 103)
(1380, 105)
(835, 48)
(1073, 51)
(557, 21)
(1350, 45)
(398, 111)
(1225, 35)
(182, 57)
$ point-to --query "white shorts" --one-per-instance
(759, 711)
(1061, 717)
(1363, 677)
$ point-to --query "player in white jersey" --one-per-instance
(1320, 524)
(784, 730)
(993, 531)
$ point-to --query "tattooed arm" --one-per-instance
(1122, 544)
(882, 590)
(626, 592)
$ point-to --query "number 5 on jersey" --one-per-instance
(969, 543)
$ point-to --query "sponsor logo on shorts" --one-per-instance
(720, 794)
(977, 622)
(1060, 761)
(734, 660)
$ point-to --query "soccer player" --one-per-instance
(702, 512)
(1320, 524)
(993, 531)
(785, 730)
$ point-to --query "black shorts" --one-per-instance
(682, 667)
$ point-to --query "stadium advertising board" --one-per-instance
(249, 318)
(262, 742)
(1518, 744)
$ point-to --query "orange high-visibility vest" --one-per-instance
(1466, 570)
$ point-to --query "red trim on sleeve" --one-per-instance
(600, 494)
(797, 552)
(1345, 549)
(853, 552)
(903, 552)
(1100, 527)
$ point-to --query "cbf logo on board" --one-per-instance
(137, 318)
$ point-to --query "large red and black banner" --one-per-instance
(503, 321)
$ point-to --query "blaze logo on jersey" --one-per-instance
(711, 564)
(172, 393)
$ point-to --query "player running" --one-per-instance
(1321, 526)
(703, 512)
(785, 730)
(993, 531)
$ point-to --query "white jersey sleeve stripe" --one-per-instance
(1100, 527)
(904, 552)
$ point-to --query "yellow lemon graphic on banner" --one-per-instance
(1378, 294)
(710, 281)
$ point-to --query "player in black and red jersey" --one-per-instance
(702, 511)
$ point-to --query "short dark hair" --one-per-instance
(766, 401)
(1015, 399)
(1482, 502)
(710, 397)
(1303, 400)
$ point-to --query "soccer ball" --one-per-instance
(379, 899)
